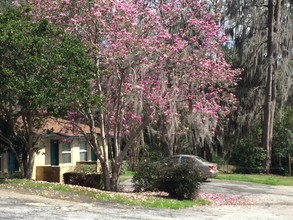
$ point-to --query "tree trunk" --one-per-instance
(115, 177)
(268, 108)
(111, 176)
(106, 174)
(289, 162)
(28, 164)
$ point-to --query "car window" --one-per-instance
(170, 160)
(201, 159)
(174, 159)
(186, 160)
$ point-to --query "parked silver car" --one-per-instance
(205, 168)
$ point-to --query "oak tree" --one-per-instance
(42, 69)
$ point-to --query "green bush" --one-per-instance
(93, 180)
(282, 142)
(124, 167)
(248, 156)
(180, 181)
(248, 159)
(86, 167)
(146, 176)
(15, 175)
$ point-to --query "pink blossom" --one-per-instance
(97, 14)
(151, 65)
(62, 14)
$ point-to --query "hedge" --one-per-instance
(93, 180)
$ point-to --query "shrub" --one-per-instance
(146, 176)
(93, 180)
(86, 167)
(248, 156)
(249, 159)
(282, 142)
(124, 167)
(15, 175)
(180, 181)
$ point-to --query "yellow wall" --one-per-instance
(4, 164)
(43, 158)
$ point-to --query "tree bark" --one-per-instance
(28, 164)
(268, 92)
(289, 161)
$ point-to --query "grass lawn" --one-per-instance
(258, 178)
(127, 175)
(157, 200)
(148, 199)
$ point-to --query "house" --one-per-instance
(61, 149)
(8, 163)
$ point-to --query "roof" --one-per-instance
(65, 127)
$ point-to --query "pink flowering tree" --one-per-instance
(158, 60)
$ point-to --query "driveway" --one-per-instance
(267, 203)
(256, 193)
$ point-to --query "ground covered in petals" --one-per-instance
(215, 199)
(221, 199)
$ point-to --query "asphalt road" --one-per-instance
(269, 203)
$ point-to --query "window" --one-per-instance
(186, 160)
(83, 151)
(66, 153)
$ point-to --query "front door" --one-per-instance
(0, 163)
(12, 163)
(93, 155)
(54, 152)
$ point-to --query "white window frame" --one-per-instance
(82, 151)
(66, 152)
